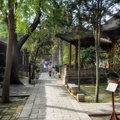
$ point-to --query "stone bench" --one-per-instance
(73, 88)
(80, 97)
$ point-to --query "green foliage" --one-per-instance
(66, 53)
(3, 29)
(24, 12)
(115, 58)
(111, 74)
(37, 67)
(38, 46)
(57, 16)
(37, 70)
(91, 10)
(87, 56)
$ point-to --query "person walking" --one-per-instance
(53, 71)
(49, 70)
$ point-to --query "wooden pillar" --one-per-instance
(109, 58)
(60, 53)
(78, 64)
(70, 54)
(76, 56)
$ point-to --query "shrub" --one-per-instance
(111, 74)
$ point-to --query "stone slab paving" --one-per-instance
(100, 108)
(19, 90)
(18, 97)
(50, 100)
(12, 110)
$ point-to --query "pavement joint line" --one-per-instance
(49, 100)
(28, 106)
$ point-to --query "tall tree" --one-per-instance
(97, 30)
(91, 14)
(97, 9)
(15, 14)
(19, 44)
(26, 18)
(11, 29)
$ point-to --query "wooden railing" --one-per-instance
(24, 68)
(87, 76)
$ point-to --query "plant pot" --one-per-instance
(112, 80)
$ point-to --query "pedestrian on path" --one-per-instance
(53, 71)
(49, 70)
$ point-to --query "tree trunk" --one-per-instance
(97, 67)
(60, 53)
(70, 55)
(15, 65)
(76, 57)
(11, 29)
(79, 64)
(36, 54)
(17, 47)
(97, 46)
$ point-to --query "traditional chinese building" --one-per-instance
(108, 37)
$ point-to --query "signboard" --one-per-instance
(112, 87)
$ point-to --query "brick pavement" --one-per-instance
(50, 100)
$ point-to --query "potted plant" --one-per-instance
(112, 76)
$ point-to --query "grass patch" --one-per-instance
(104, 95)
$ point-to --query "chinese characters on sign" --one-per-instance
(112, 87)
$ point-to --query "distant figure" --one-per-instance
(53, 71)
(49, 70)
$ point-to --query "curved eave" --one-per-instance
(104, 40)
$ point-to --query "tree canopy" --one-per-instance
(24, 17)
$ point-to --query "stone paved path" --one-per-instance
(50, 100)
(20, 90)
